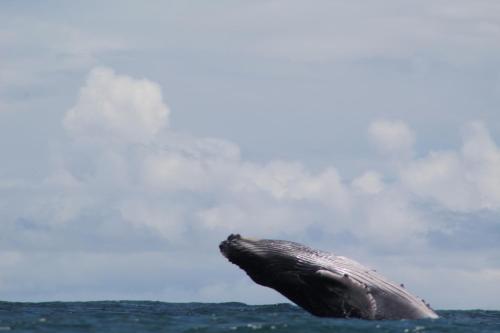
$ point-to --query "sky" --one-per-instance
(135, 136)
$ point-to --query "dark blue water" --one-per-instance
(132, 316)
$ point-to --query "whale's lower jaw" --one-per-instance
(322, 283)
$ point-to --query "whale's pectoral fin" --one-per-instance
(355, 294)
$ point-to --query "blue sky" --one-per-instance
(136, 136)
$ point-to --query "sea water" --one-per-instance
(146, 316)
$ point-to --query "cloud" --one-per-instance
(391, 137)
(452, 31)
(370, 182)
(117, 108)
(465, 180)
(126, 185)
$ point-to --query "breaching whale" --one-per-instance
(324, 284)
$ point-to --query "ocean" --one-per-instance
(147, 316)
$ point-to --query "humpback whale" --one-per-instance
(324, 284)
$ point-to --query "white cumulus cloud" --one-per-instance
(117, 108)
(464, 180)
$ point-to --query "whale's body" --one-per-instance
(324, 284)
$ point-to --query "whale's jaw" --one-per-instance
(322, 283)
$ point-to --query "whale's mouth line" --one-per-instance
(223, 248)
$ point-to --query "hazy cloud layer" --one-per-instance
(134, 209)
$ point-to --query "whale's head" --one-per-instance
(288, 267)
(264, 260)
